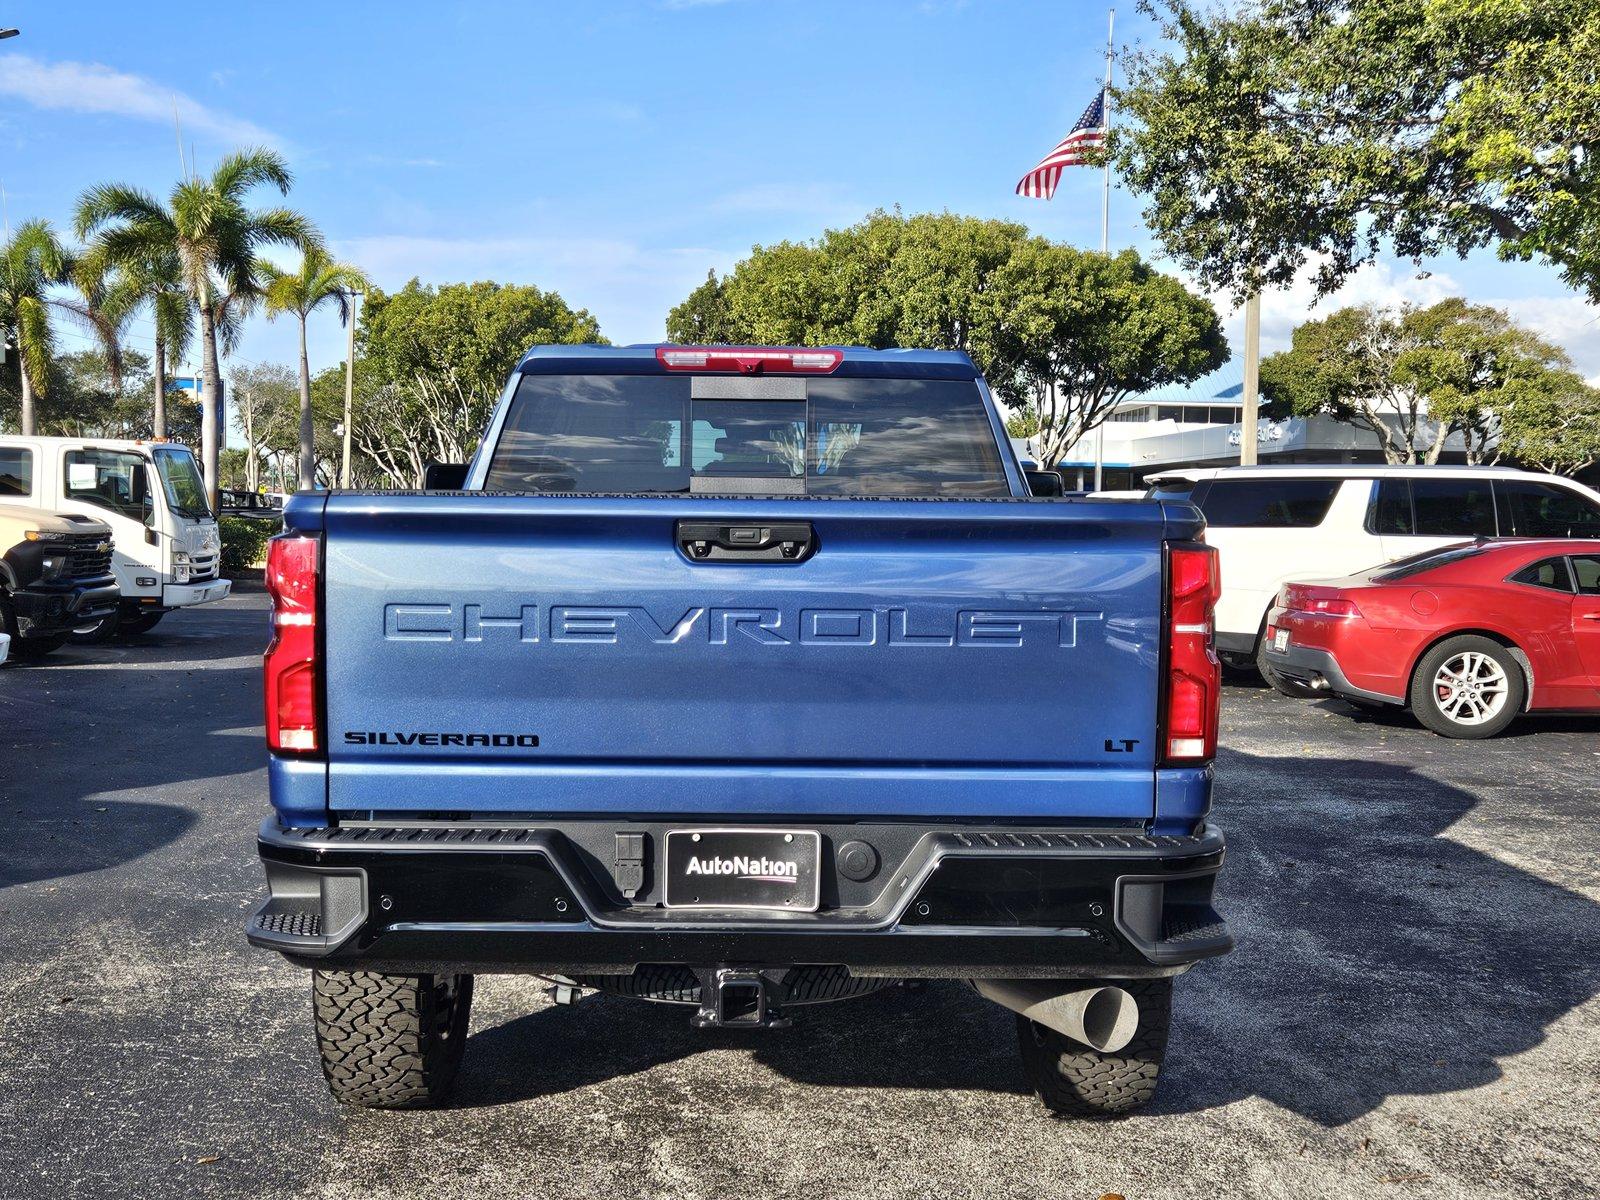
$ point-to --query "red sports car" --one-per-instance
(1468, 637)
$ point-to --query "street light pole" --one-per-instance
(1252, 380)
(8, 33)
(349, 390)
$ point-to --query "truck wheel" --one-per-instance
(1074, 1081)
(140, 622)
(1468, 687)
(1281, 683)
(390, 1041)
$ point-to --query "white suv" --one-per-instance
(1278, 524)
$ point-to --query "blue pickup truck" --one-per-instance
(741, 679)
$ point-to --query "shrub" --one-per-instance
(244, 542)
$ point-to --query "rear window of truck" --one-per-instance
(823, 437)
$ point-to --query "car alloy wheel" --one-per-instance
(1470, 688)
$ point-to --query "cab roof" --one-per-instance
(856, 361)
(89, 443)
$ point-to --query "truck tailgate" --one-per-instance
(538, 655)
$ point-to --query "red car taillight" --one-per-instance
(1332, 606)
(291, 659)
(1194, 675)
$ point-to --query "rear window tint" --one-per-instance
(1268, 503)
(839, 437)
(1429, 560)
(1549, 573)
(1453, 507)
(1391, 508)
(1534, 509)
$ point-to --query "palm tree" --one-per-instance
(157, 284)
(318, 281)
(32, 263)
(214, 237)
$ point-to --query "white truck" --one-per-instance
(167, 545)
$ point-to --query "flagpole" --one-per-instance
(1105, 193)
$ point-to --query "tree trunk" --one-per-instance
(27, 400)
(159, 412)
(1438, 443)
(308, 452)
(211, 388)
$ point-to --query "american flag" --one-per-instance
(1088, 134)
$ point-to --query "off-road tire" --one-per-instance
(1280, 683)
(390, 1041)
(1426, 708)
(1074, 1081)
(139, 622)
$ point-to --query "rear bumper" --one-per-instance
(182, 595)
(950, 902)
(1320, 669)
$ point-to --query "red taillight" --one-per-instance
(1333, 606)
(1194, 675)
(748, 360)
(291, 659)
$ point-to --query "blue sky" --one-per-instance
(611, 151)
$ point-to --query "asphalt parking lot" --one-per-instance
(1411, 1010)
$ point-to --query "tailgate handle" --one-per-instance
(746, 541)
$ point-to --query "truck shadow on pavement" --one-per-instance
(1378, 956)
(86, 730)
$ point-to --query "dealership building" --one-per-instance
(1199, 426)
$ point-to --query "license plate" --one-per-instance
(743, 868)
(1280, 640)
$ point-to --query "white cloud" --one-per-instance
(96, 88)
(1569, 321)
(680, 5)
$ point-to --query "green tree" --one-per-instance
(1344, 366)
(34, 265)
(702, 319)
(215, 236)
(1060, 333)
(433, 361)
(1553, 424)
(155, 284)
(888, 280)
(1276, 133)
(1472, 365)
(1079, 332)
(1412, 376)
(319, 281)
(1022, 423)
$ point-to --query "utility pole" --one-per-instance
(349, 389)
(1252, 380)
